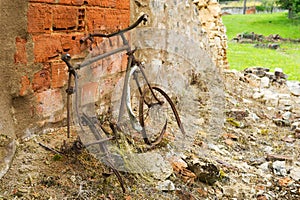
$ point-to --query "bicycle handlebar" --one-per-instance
(90, 36)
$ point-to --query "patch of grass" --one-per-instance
(241, 56)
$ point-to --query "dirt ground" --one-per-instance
(245, 156)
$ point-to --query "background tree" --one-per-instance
(293, 6)
(268, 5)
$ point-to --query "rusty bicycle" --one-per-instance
(143, 103)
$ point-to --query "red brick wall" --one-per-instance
(54, 27)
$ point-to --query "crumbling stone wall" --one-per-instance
(200, 18)
(211, 21)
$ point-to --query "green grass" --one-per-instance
(241, 56)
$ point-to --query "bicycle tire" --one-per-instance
(153, 107)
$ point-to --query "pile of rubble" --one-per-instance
(273, 89)
(262, 41)
(254, 37)
(255, 156)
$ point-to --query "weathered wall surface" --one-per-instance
(54, 27)
(211, 21)
(200, 18)
(36, 32)
(10, 28)
(193, 44)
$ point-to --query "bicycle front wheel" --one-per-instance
(156, 110)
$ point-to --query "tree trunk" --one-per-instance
(290, 14)
(245, 7)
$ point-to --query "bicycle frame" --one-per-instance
(132, 66)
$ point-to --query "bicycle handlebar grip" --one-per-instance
(145, 18)
(66, 57)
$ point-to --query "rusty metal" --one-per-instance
(102, 145)
(141, 120)
(178, 120)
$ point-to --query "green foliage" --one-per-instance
(292, 5)
(268, 5)
(260, 8)
(241, 56)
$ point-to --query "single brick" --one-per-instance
(20, 54)
(43, 1)
(77, 2)
(124, 4)
(39, 18)
(69, 2)
(25, 86)
(64, 18)
(95, 19)
(70, 43)
(49, 102)
(108, 3)
(46, 46)
(72, 2)
(59, 74)
(102, 3)
(89, 93)
(41, 80)
(107, 20)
